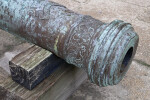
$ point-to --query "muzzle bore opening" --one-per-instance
(126, 60)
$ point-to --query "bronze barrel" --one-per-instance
(103, 50)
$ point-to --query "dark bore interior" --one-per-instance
(126, 60)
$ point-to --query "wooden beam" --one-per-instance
(58, 86)
(32, 66)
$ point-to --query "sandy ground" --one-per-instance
(135, 85)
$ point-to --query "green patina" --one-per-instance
(97, 47)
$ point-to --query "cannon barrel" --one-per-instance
(103, 50)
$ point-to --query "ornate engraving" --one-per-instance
(79, 39)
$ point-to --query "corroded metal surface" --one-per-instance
(104, 50)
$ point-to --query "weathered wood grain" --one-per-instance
(31, 67)
(58, 86)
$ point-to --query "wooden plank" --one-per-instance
(32, 66)
(65, 86)
(58, 86)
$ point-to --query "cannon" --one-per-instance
(104, 50)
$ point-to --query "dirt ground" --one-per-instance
(135, 85)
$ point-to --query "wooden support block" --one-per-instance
(31, 67)
(58, 86)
